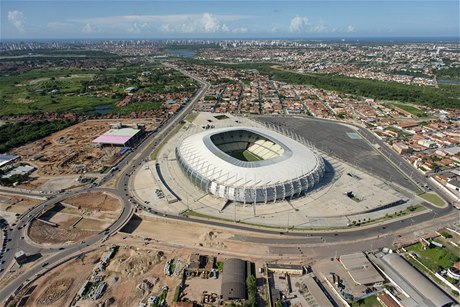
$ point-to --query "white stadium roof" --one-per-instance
(289, 162)
(218, 166)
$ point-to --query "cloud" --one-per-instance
(88, 28)
(301, 24)
(350, 29)
(298, 24)
(240, 30)
(204, 23)
(17, 19)
(181, 23)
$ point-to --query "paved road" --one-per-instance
(136, 158)
(394, 168)
(133, 160)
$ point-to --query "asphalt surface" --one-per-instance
(133, 160)
(332, 138)
(136, 158)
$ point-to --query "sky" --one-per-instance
(151, 19)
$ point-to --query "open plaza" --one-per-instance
(344, 196)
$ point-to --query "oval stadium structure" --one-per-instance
(249, 165)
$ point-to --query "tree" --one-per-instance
(446, 234)
(251, 284)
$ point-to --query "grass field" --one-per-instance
(411, 109)
(155, 152)
(191, 117)
(63, 89)
(433, 199)
(435, 258)
(370, 301)
(245, 156)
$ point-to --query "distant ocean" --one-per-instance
(395, 39)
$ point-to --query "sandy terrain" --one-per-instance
(16, 204)
(94, 201)
(60, 153)
(76, 218)
(42, 233)
(58, 287)
(196, 237)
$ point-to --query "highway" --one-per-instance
(133, 160)
(125, 167)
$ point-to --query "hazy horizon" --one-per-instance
(37, 19)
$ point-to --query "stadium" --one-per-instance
(249, 165)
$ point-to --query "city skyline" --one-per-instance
(227, 19)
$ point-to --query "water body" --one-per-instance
(104, 108)
(186, 53)
(449, 82)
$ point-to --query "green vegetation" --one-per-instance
(446, 234)
(219, 265)
(434, 258)
(154, 153)
(251, 284)
(17, 134)
(191, 117)
(442, 97)
(177, 294)
(162, 298)
(63, 89)
(55, 54)
(370, 301)
(452, 73)
(13, 179)
(220, 117)
(279, 303)
(433, 199)
(245, 156)
(411, 209)
(412, 110)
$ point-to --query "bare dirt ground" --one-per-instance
(197, 285)
(42, 233)
(97, 201)
(196, 237)
(16, 204)
(58, 287)
(134, 274)
(76, 218)
(64, 150)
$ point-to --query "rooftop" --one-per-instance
(361, 269)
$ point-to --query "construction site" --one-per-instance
(72, 151)
(12, 205)
(75, 219)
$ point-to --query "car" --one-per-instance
(45, 264)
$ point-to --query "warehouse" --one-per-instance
(7, 159)
(234, 279)
(120, 136)
(360, 269)
(419, 290)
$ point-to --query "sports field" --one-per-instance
(245, 156)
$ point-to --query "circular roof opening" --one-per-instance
(246, 145)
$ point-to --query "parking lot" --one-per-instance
(342, 142)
